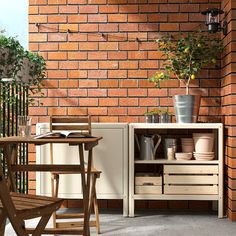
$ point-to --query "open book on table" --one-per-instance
(64, 134)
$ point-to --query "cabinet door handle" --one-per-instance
(148, 184)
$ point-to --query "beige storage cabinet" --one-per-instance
(110, 156)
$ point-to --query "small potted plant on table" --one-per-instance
(185, 56)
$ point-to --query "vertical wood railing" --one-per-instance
(13, 103)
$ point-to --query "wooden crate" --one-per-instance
(190, 179)
(148, 184)
(148, 189)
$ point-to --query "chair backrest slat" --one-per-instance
(78, 123)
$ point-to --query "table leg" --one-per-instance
(10, 153)
(84, 191)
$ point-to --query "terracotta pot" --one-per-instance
(203, 142)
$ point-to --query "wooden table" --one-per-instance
(10, 145)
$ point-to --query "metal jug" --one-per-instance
(146, 146)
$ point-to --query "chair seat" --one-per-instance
(29, 206)
(93, 171)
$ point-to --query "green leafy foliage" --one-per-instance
(21, 66)
(186, 55)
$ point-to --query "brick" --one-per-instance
(117, 74)
(137, 55)
(128, 102)
(117, 111)
(97, 18)
(148, 102)
(66, 27)
(49, 83)
(137, 92)
(117, 55)
(57, 111)
(116, 2)
(128, 65)
(37, 2)
(88, 102)
(77, 18)
(137, 111)
(97, 55)
(108, 65)
(115, 18)
(77, 93)
(88, 27)
(189, 8)
(37, 19)
(126, 46)
(148, 64)
(108, 27)
(34, 37)
(169, 7)
(97, 74)
(48, 47)
(33, 10)
(57, 56)
(76, 1)
(137, 74)
(88, 65)
(108, 102)
(57, 74)
(77, 37)
(149, 8)
(157, 17)
(128, 27)
(68, 9)
(77, 55)
(68, 46)
(59, 37)
(58, 2)
(169, 27)
(57, 19)
(108, 9)
(68, 84)
(88, 83)
(117, 92)
(137, 18)
(87, 46)
(88, 9)
(97, 110)
(48, 9)
(97, 92)
(108, 46)
(52, 65)
(178, 17)
(57, 93)
(128, 83)
(108, 83)
(49, 102)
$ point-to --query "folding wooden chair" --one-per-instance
(82, 125)
(19, 207)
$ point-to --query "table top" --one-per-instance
(44, 140)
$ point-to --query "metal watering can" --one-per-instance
(146, 146)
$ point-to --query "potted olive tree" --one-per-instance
(184, 57)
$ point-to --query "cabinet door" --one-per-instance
(110, 156)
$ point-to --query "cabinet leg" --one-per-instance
(131, 207)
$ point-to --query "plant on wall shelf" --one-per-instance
(185, 56)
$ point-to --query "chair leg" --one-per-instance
(55, 187)
(3, 218)
(95, 202)
(41, 225)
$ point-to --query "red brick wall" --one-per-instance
(228, 105)
(106, 75)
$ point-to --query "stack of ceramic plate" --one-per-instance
(187, 144)
(183, 155)
(204, 156)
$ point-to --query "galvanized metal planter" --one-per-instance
(186, 108)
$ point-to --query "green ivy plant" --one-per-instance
(185, 56)
(21, 66)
